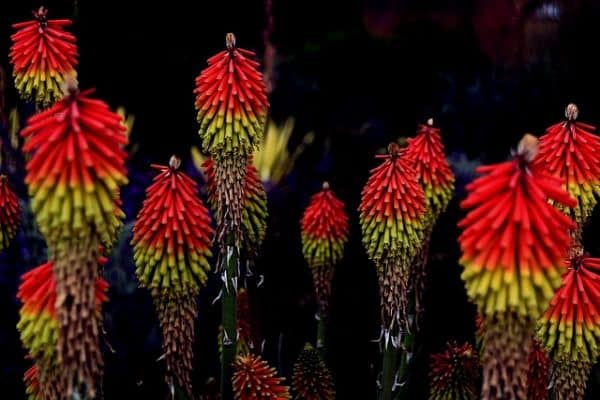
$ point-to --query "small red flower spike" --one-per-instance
(254, 379)
(311, 379)
(513, 244)
(426, 154)
(392, 220)
(172, 238)
(324, 229)
(455, 373)
(76, 166)
(570, 151)
(10, 213)
(231, 99)
(43, 54)
(569, 330)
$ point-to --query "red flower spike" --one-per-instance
(571, 151)
(513, 242)
(172, 235)
(455, 373)
(10, 213)
(324, 229)
(43, 54)
(231, 99)
(538, 376)
(570, 328)
(76, 166)
(392, 220)
(254, 379)
(426, 154)
(254, 215)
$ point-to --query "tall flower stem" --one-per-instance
(390, 356)
(321, 334)
(230, 263)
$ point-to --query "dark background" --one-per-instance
(357, 73)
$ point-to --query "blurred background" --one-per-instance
(353, 75)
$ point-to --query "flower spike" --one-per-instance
(571, 151)
(513, 244)
(171, 242)
(253, 379)
(324, 228)
(392, 220)
(231, 99)
(43, 54)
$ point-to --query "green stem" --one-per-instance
(389, 370)
(408, 343)
(230, 269)
(321, 334)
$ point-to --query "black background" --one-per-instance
(357, 73)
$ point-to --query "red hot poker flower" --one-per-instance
(10, 213)
(426, 154)
(172, 235)
(231, 99)
(513, 242)
(254, 379)
(570, 327)
(43, 54)
(324, 229)
(571, 151)
(76, 166)
(392, 220)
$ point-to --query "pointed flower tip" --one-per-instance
(174, 162)
(528, 147)
(571, 112)
(230, 41)
(254, 379)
